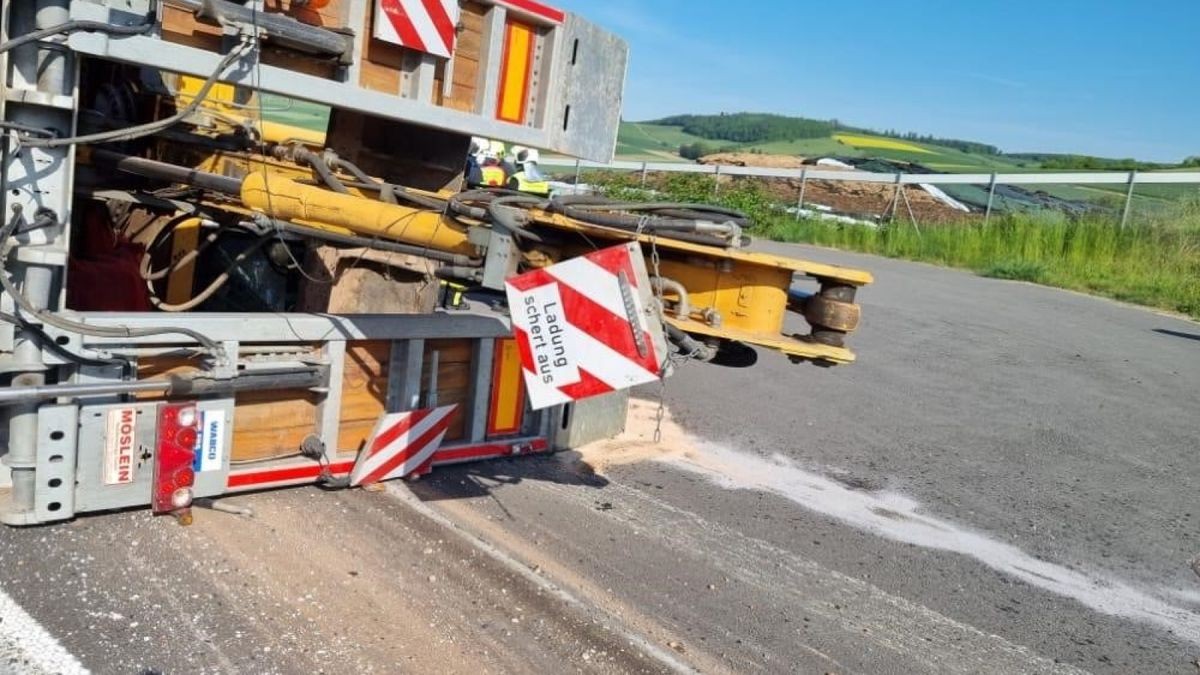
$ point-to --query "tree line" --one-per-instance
(746, 127)
(1069, 162)
(749, 127)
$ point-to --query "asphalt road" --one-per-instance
(1004, 482)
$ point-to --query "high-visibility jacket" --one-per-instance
(494, 176)
(521, 182)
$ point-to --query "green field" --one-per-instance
(636, 140)
(642, 141)
(311, 116)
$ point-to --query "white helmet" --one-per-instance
(528, 155)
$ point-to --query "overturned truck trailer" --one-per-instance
(238, 251)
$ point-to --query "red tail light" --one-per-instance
(178, 426)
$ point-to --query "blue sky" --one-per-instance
(1100, 77)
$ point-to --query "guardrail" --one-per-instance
(1130, 178)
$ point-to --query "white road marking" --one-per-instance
(26, 647)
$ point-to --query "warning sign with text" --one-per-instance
(581, 326)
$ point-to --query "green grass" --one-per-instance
(311, 116)
(806, 147)
(1153, 261)
(638, 140)
(654, 139)
(948, 160)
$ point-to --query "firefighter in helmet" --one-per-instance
(528, 178)
(492, 172)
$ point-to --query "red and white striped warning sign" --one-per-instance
(582, 326)
(401, 443)
(424, 25)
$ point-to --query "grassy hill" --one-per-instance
(779, 134)
(660, 141)
(648, 141)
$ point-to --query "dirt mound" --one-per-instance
(753, 159)
(867, 200)
(863, 200)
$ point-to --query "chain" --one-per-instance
(661, 412)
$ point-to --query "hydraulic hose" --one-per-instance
(590, 202)
(302, 155)
(689, 345)
(279, 29)
(493, 209)
(505, 218)
(86, 329)
(140, 130)
(73, 27)
(48, 342)
(386, 190)
(212, 287)
(622, 215)
(183, 261)
(326, 176)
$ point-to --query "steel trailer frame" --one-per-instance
(53, 450)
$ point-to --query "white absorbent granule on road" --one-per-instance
(887, 514)
(901, 518)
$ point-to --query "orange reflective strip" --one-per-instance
(515, 69)
(508, 390)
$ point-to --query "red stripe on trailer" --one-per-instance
(397, 16)
(590, 316)
(397, 430)
(594, 319)
(531, 280)
(488, 451)
(536, 9)
(441, 21)
(408, 453)
(401, 443)
(583, 326)
(307, 472)
(588, 385)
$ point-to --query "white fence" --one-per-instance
(1129, 178)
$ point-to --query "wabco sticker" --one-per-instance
(210, 442)
(120, 446)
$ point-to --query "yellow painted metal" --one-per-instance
(222, 103)
(276, 132)
(847, 275)
(733, 294)
(791, 346)
(286, 199)
(745, 293)
(184, 238)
